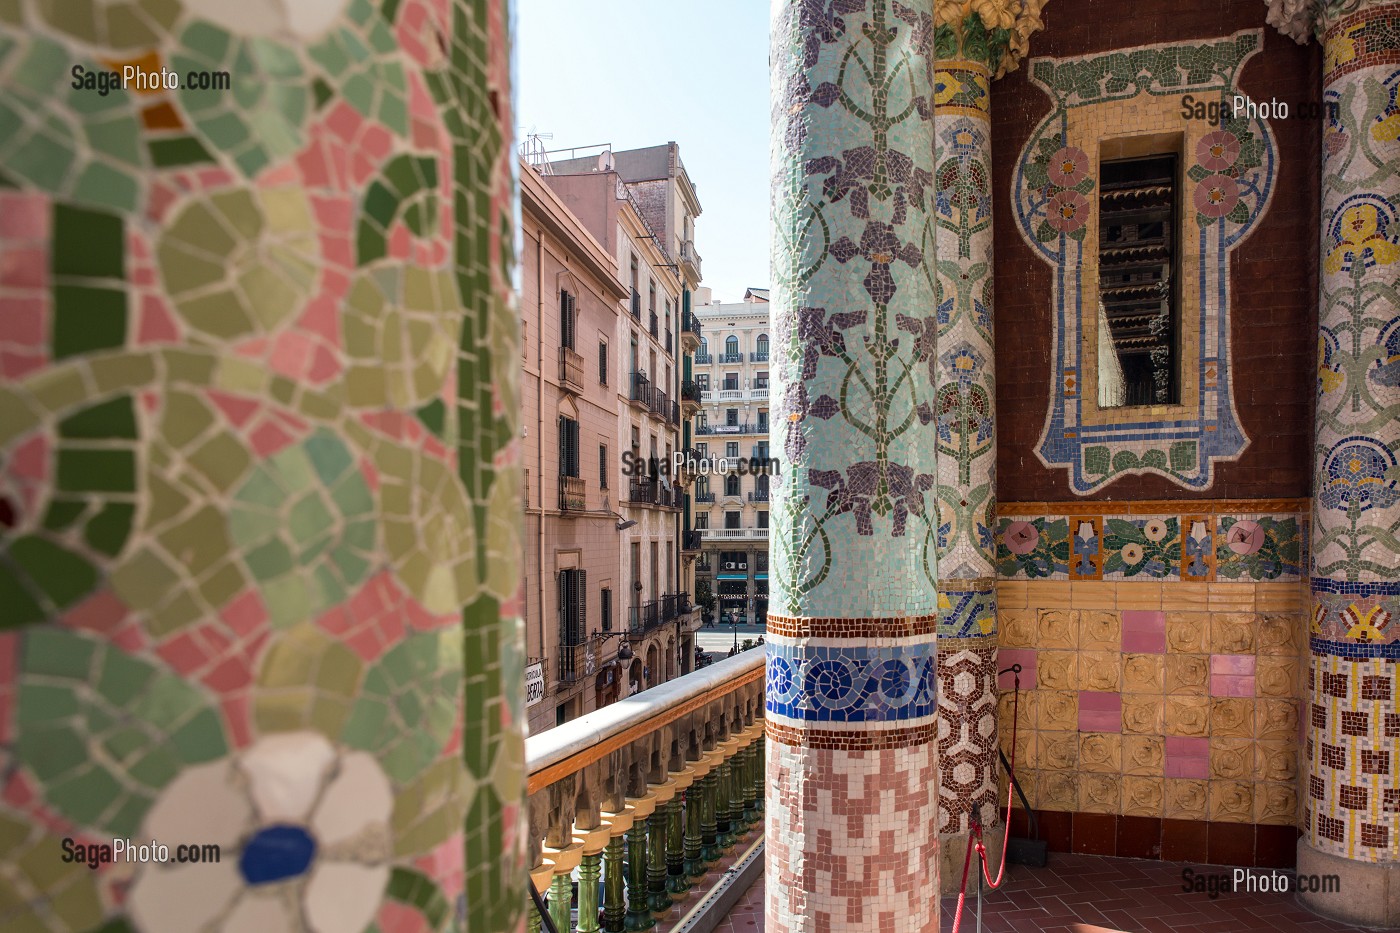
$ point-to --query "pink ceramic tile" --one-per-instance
(1187, 747)
(1231, 685)
(1238, 664)
(1145, 642)
(1100, 700)
(1144, 620)
(1100, 721)
(1187, 768)
(1022, 656)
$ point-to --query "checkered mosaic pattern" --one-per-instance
(259, 498)
(1161, 700)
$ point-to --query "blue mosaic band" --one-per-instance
(811, 681)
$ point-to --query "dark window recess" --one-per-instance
(568, 318)
(603, 466)
(607, 609)
(603, 363)
(1138, 294)
(568, 447)
(573, 590)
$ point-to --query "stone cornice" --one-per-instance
(1302, 19)
(996, 33)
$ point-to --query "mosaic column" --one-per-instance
(1352, 804)
(973, 48)
(259, 485)
(852, 680)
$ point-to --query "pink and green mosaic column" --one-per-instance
(852, 668)
(259, 496)
(974, 46)
(1352, 800)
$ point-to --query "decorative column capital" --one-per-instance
(995, 33)
(1302, 19)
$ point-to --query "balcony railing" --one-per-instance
(714, 718)
(641, 389)
(745, 428)
(690, 540)
(659, 403)
(704, 497)
(704, 359)
(675, 413)
(573, 494)
(668, 343)
(704, 566)
(691, 391)
(636, 304)
(756, 534)
(731, 357)
(758, 495)
(654, 322)
(758, 356)
(577, 661)
(646, 492)
(570, 369)
(642, 619)
(690, 323)
(690, 257)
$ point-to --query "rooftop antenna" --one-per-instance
(533, 151)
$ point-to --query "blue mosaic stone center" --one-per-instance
(276, 853)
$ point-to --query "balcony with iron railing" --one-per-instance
(690, 324)
(573, 495)
(659, 404)
(675, 413)
(640, 394)
(704, 498)
(571, 370)
(593, 793)
(636, 304)
(704, 566)
(758, 356)
(731, 358)
(758, 495)
(691, 258)
(742, 428)
(648, 492)
(690, 540)
(654, 321)
(691, 393)
(577, 661)
(644, 618)
(704, 359)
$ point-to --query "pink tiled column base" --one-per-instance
(851, 840)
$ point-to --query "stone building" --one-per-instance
(641, 205)
(730, 510)
(571, 299)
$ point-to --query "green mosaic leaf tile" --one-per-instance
(118, 137)
(330, 55)
(201, 738)
(46, 652)
(124, 743)
(87, 319)
(270, 561)
(179, 150)
(210, 41)
(223, 460)
(85, 796)
(96, 470)
(62, 576)
(144, 579)
(115, 418)
(420, 892)
(389, 9)
(199, 540)
(359, 91)
(42, 160)
(321, 92)
(88, 243)
(103, 185)
(63, 513)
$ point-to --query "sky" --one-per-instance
(637, 73)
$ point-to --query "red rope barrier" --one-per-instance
(975, 835)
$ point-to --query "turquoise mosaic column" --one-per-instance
(851, 689)
(1351, 804)
(259, 486)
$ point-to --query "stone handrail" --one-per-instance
(674, 773)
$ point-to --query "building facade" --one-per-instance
(654, 598)
(730, 435)
(572, 297)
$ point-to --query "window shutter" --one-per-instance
(581, 623)
(564, 607)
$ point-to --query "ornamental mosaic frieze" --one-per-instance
(1229, 177)
(259, 488)
(852, 670)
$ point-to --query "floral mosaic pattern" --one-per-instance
(1242, 548)
(855, 545)
(1356, 506)
(259, 503)
(1229, 181)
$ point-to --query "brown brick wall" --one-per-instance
(1273, 273)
